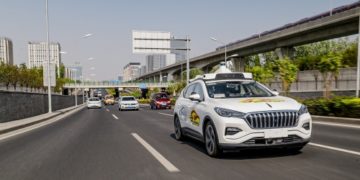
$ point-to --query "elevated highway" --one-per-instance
(339, 22)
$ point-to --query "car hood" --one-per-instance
(257, 104)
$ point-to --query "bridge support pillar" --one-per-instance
(284, 52)
(239, 64)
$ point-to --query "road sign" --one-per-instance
(153, 42)
(52, 74)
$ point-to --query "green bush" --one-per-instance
(337, 106)
(144, 101)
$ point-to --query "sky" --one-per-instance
(111, 23)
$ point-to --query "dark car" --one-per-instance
(160, 101)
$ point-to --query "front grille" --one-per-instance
(273, 119)
(289, 139)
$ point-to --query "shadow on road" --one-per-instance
(241, 154)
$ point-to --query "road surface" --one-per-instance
(109, 144)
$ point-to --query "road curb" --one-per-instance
(341, 120)
(27, 124)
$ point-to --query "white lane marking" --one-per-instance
(338, 124)
(336, 149)
(167, 164)
(107, 110)
(166, 114)
(115, 116)
(38, 125)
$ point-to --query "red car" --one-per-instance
(160, 101)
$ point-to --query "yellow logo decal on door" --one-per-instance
(194, 118)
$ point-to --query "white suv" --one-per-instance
(230, 110)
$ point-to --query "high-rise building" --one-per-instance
(120, 79)
(131, 71)
(143, 70)
(6, 51)
(76, 71)
(157, 61)
(37, 54)
(178, 47)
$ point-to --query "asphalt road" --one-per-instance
(106, 144)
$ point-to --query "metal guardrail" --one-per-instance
(95, 84)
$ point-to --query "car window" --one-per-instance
(199, 90)
(236, 89)
(94, 99)
(128, 99)
(189, 90)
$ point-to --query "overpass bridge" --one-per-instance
(97, 85)
(339, 22)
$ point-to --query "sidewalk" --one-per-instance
(22, 123)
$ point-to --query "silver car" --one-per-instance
(94, 102)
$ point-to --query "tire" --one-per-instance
(211, 140)
(177, 129)
(120, 109)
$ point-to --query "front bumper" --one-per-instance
(261, 138)
(129, 107)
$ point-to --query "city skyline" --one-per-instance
(111, 23)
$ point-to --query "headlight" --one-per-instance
(303, 110)
(228, 113)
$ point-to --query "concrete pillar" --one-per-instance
(239, 64)
(284, 52)
(160, 77)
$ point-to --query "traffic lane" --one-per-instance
(90, 144)
(190, 157)
(341, 137)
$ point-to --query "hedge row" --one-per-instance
(147, 101)
(337, 106)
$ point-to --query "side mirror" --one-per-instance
(274, 91)
(195, 97)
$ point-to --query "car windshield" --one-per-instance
(94, 99)
(128, 99)
(236, 89)
(161, 96)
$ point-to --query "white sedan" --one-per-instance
(93, 102)
(128, 103)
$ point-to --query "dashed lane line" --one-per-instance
(335, 149)
(167, 164)
(115, 116)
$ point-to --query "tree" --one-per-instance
(287, 71)
(262, 74)
(329, 68)
(193, 73)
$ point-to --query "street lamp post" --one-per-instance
(187, 60)
(358, 64)
(75, 92)
(48, 56)
(222, 43)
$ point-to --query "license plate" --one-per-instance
(276, 133)
(164, 103)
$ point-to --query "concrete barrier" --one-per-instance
(20, 105)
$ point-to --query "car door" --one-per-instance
(184, 106)
(197, 109)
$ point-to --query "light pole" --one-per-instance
(75, 92)
(358, 64)
(187, 60)
(222, 43)
(48, 56)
